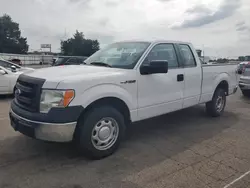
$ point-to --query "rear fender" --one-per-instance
(222, 77)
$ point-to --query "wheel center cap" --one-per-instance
(104, 133)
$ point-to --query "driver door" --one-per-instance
(161, 93)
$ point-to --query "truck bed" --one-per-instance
(213, 74)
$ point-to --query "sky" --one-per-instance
(219, 27)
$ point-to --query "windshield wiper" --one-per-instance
(99, 63)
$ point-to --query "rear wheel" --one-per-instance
(216, 107)
(100, 132)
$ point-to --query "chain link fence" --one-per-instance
(30, 59)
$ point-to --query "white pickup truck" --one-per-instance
(125, 82)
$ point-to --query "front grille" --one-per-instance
(28, 91)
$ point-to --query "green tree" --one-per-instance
(79, 46)
(10, 37)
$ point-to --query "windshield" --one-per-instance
(8, 65)
(60, 60)
(119, 55)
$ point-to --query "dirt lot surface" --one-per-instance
(182, 149)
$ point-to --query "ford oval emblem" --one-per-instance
(17, 92)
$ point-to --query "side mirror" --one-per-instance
(2, 72)
(154, 67)
(13, 68)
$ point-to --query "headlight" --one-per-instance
(55, 98)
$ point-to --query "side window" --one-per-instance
(4, 64)
(163, 52)
(188, 56)
(71, 61)
(80, 60)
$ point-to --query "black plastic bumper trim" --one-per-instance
(55, 115)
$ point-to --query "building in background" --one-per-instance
(247, 58)
(244, 58)
(199, 52)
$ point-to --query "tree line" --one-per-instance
(11, 41)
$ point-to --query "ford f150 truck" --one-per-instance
(125, 82)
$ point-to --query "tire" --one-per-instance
(94, 127)
(246, 93)
(216, 107)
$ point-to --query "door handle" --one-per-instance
(180, 77)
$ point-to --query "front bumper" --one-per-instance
(56, 132)
(244, 86)
(58, 125)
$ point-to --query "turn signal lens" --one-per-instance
(68, 97)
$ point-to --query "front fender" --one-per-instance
(106, 90)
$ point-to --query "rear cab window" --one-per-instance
(187, 56)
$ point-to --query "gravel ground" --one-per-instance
(182, 149)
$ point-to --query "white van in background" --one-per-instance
(9, 73)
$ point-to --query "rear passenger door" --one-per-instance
(192, 76)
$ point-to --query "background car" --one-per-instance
(69, 60)
(13, 67)
(244, 82)
(8, 80)
(241, 66)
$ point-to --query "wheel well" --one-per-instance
(223, 85)
(117, 103)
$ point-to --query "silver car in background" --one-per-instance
(245, 81)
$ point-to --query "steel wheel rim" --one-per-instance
(220, 103)
(105, 133)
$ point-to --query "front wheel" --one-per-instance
(216, 107)
(100, 132)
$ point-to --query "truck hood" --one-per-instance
(26, 69)
(60, 73)
(76, 74)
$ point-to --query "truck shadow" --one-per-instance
(245, 99)
(6, 97)
(147, 143)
